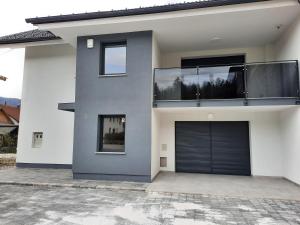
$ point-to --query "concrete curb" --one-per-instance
(186, 194)
(83, 186)
(143, 189)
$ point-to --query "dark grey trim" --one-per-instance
(201, 103)
(110, 153)
(114, 177)
(137, 11)
(252, 63)
(44, 165)
(272, 101)
(70, 107)
(226, 102)
(112, 75)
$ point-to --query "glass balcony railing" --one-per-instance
(255, 80)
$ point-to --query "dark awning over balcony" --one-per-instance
(272, 83)
(70, 106)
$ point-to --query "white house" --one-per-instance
(202, 87)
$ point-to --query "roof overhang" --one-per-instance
(138, 11)
(249, 24)
(29, 38)
(30, 44)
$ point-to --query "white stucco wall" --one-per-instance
(288, 48)
(49, 78)
(290, 131)
(265, 141)
(253, 54)
(155, 157)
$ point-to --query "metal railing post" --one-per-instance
(153, 90)
(245, 85)
(198, 88)
(298, 77)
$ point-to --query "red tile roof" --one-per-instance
(11, 111)
(4, 118)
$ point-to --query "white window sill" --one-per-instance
(112, 75)
(110, 153)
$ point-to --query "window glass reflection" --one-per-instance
(115, 59)
(113, 134)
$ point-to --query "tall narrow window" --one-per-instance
(114, 59)
(111, 133)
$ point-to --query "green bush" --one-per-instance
(8, 143)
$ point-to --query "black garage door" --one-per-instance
(213, 147)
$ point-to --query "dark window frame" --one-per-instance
(102, 55)
(100, 124)
(213, 61)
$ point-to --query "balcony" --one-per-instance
(267, 83)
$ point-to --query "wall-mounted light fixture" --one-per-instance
(90, 43)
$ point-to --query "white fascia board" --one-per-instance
(171, 15)
(29, 44)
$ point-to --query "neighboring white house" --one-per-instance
(207, 87)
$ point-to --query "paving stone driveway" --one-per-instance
(62, 205)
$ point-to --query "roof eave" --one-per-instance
(137, 11)
(28, 40)
(32, 43)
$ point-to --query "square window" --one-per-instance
(114, 59)
(111, 133)
(37, 139)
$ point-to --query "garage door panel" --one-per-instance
(232, 165)
(230, 148)
(225, 170)
(230, 156)
(194, 167)
(196, 157)
(213, 147)
(193, 152)
(229, 171)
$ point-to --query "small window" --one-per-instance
(111, 133)
(163, 161)
(37, 139)
(114, 59)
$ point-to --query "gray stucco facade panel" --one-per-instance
(44, 165)
(129, 95)
(115, 177)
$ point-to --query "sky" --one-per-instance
(12, 20)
